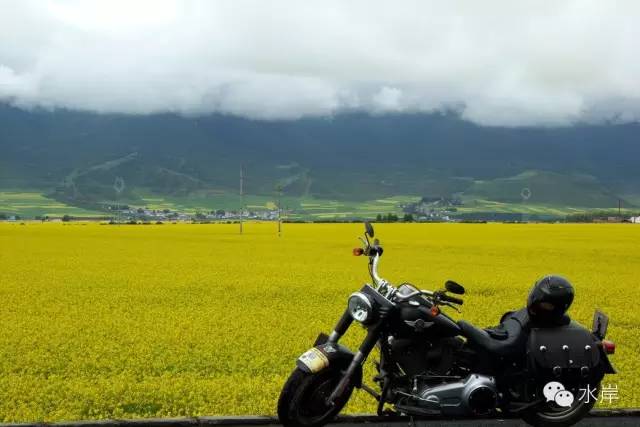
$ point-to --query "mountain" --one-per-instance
(76, 157)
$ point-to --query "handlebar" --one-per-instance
(449, 298)
(440, 296)
(374, 270)
(374, 252)
(412, 294)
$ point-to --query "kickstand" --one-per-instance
(412, 422)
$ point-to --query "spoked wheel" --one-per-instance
(303, 401)
(551, 414)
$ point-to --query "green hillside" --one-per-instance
(549, 188)
(343, 166)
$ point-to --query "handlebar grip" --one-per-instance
(451, 299)
(374, 250)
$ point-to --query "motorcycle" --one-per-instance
(431, 365)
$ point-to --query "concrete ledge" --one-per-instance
(242, 420)
(158, 422)
(250, 420)
(89, 423)
(629, 412)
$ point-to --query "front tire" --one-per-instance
(302, 401)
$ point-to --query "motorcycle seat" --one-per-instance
(510, 342)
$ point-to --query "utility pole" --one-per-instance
(118, 186)
(279, 190)
(620, 208)
(241, 195)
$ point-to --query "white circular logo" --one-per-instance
(118, 185)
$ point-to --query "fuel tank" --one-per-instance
(415, 316)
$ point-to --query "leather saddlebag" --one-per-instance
(568, 352)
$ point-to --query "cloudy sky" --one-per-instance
(496, 62)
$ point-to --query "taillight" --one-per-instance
(609, 347)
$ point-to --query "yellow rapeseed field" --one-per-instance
(101, 321)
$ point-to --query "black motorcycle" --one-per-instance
(432, 365)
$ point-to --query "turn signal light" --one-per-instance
(435, 311)
(358, 251)
(609, 347)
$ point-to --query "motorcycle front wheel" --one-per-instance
(550, 414)
(303, 400)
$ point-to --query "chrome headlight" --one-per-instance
(360, 307)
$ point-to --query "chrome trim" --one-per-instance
(362, 297)
(412, 294)
(374, 271)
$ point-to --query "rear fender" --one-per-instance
(605, 363)
(600, 324)
(328, 355)
(599, 330)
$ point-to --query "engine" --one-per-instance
(474, 395)
(418, 358)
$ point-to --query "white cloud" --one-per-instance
(498, 62)
(388, 99)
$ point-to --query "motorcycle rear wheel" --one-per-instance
(548, 415)
(302, 401)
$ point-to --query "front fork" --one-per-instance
(341, 327)
(359, 358)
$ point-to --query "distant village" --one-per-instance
(425, 210)
(145, 214)
(436, 209)
(127, 214)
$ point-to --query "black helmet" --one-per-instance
(550, 299)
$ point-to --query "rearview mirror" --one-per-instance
(368, 228)
(453, 287)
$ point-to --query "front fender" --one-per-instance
(328, 355)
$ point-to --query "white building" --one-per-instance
(635, 219)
